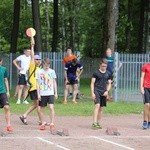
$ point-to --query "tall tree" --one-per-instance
(36, 24)
(14, 33)
(141, 27)
(111, 21)
(55, 26)
(129, 28)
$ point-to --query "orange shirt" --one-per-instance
(69, 58)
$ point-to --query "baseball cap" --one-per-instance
(37, 57)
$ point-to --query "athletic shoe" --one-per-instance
(42, 127)
(18, 101)
(25, 102)
(9, 129)
(96, 125)
(145, 125)
(52, 126)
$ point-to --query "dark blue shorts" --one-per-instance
(3, 100)
(72, 81)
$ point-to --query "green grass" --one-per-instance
(84, 107)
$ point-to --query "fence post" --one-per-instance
(115, 78)
(10, 70)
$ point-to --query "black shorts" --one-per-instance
(146, 96)
(100, 99)
(46, 100)
(33, 95)
(22, 79)
(3, 100)
(72, 82)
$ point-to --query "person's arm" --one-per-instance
(15, 62)
(141, 82)
(79, 73)
(32, 49)
(7, 87)
(55, 89)
(109, 82)
(92, 88)
(65, 75)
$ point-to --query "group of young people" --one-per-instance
(42, 86)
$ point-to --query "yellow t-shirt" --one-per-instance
(32, 79)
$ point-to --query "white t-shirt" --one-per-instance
(24, 63)
(46, 81)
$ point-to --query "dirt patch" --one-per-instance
(82, 136)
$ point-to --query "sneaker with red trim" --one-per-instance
(42, 127)
(9, 129)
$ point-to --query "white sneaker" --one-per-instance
(18, 101)
(25, 102)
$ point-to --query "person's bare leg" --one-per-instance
(52, 113)
(66, 93)
(7, 114)
(20, 89)
(146, 112)
(96, 112)
(16, 90)
(100, 114)
(75, 91)
(41, 114)
(33, 106)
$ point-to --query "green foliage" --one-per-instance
(4, 45)
(88, 24)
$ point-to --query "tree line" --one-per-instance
(88, 26)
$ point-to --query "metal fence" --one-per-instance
(127, 71)
(56, 64)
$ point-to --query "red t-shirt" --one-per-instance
(146, 70)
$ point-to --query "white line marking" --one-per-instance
(120, 145)
(77, 137)
(49, 142)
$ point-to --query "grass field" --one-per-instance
(84, 107)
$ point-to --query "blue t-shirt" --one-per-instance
(110, 61)
(3, 75)
(72, 69)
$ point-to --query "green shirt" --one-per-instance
(3, 75)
